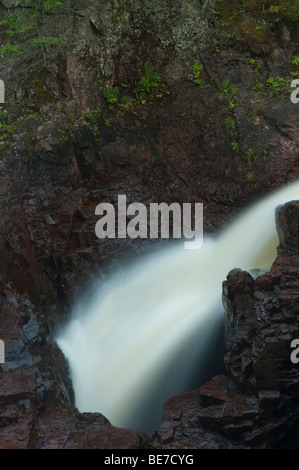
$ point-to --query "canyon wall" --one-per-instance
(161, 101)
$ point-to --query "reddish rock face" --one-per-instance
(59, 160)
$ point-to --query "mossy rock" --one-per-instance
(40, 91)
(255, 37)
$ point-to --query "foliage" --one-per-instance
(258, 86)
(51, 6)
(288, 9)
(150, 80)
(197, 67)
(231, 127)
(3, 114)
(126, 103)
(249, 155)
(46, 42)
(93, 114)
(254, 21)
(6, 129)
(259, 26)
(274, 8)
(22, 29)
(111, 94)
(294, 12)
(236, 147)
(62, 134)
(228, 91)
(18, 23)
(250, 176)
(11, 50)
(277, 85)
(150, 84)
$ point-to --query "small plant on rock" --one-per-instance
(197, 67)
(111, 94)
(277, 85)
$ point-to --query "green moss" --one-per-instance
(268, 9)
(249, 30)
(41, 94)
(284, 9)
(253, 21)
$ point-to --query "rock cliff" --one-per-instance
(164, 101)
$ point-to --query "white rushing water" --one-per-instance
(141, 336)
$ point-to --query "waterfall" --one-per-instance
(143, 335)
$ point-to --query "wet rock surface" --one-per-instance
(59, 159)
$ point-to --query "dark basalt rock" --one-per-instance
(288, 226)
(238, 292)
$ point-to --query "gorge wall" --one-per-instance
(167, 102)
